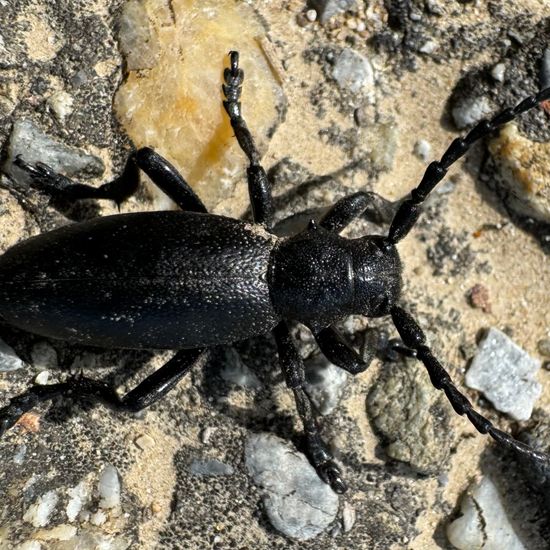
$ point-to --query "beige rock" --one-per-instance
(524, 168)
(176, 105)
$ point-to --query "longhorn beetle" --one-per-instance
(188, 280)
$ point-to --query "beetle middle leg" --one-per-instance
(150, 390)
(163, 174)
(346, 210)
(259, 187)
(294, 373)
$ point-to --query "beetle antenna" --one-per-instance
(410, 210)
(414, 338)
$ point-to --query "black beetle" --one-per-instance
(188, 280)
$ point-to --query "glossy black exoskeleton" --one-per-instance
(188, 280)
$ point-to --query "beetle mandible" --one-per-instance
(187, 280)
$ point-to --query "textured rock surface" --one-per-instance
(523, 172)
(505, 374)
(297, 502)
(325, 383)
(410, 415)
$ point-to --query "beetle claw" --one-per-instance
(331, 475)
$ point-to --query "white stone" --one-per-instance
(353, 71)
(498, 72)
(39, 513)
(8, 358)
(109, 488)
(483, 524)
(470, 111)
(505, 374)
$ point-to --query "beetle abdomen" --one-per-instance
(163, 280)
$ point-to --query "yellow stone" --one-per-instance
(524, 167)
(172, 97)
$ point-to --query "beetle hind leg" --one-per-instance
(163, 174)
(150, 390)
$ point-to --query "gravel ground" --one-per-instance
(368, 94)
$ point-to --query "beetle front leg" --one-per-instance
(373, 206)
(339, 352)
(163, 174)
(293, 370)
(150, 390)
(259, 187)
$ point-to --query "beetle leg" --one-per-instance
(161, 172)
(339, 352)
(350, 208)
(293, 370)
(414, 338)
(143, 395)
(259, 187)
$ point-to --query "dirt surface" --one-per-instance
(332, 142)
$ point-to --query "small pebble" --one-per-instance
(207, 434)
(348, 517)
(20, 453)
(61, 104)
(236, 372)
(468, 111)
(423, 150)
(144, 442)
(478, 296)
(42, 378)
(211, 467)
(44, 356)
(325, 383)
(498, 72)
(505, 374)
(78, 497)
(8, 358)
(543, 347)
(109, 488)
(98, 518)
(428, 47)
(353, 71)
(38, 514)
(326, 9)
(545, 70)
(311, 15)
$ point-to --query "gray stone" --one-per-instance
(210, 467)
(545, 70)
(352, 71)
(470, 110)
(109, 488)
(8, 358)
(329, 8)
(505, 374)
(402, 405)
(498, 72)
(236, 372)
(138, 42)
(325, 383)
(34, 146)
(483, 524)
(297, 502)
(422, 149)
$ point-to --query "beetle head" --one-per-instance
(377, 276)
